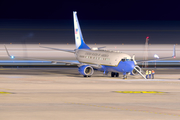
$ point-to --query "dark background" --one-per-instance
(105, 22)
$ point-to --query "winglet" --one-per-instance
(174, 52)
(8, 53)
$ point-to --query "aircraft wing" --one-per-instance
(66, 62)
(140, 61)
(76, 63)
(157, 58)
(52, 61)
(72, 51)
(55, 61)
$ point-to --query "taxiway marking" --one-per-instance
(138, 92)
(1, 92)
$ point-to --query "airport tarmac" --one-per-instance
(61, 93)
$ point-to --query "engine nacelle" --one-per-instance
(134, 72)
(86, 70)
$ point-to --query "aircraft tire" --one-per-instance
(117, 74)
(112, 74)
(85, 75)
(124, 76)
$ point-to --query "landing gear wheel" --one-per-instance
(85, 76)
(124, 77)
(117, 74)
(89, 76)
(112, 74)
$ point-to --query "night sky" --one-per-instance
(125, 21)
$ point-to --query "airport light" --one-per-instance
(156, 56)
(12, 57)
(146, 52)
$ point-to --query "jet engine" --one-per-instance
(86, 70)
(135, 72)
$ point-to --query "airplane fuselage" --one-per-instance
(109, 60)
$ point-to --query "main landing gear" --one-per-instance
(114, 74)
(87, 75)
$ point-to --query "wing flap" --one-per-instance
(72, 51)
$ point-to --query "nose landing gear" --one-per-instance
(124, 76)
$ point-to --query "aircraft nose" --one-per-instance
(130, 66)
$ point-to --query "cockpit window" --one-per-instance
(123, 60)
(127, 60)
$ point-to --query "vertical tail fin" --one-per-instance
(80, 44)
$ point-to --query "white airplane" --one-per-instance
(98, 59)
